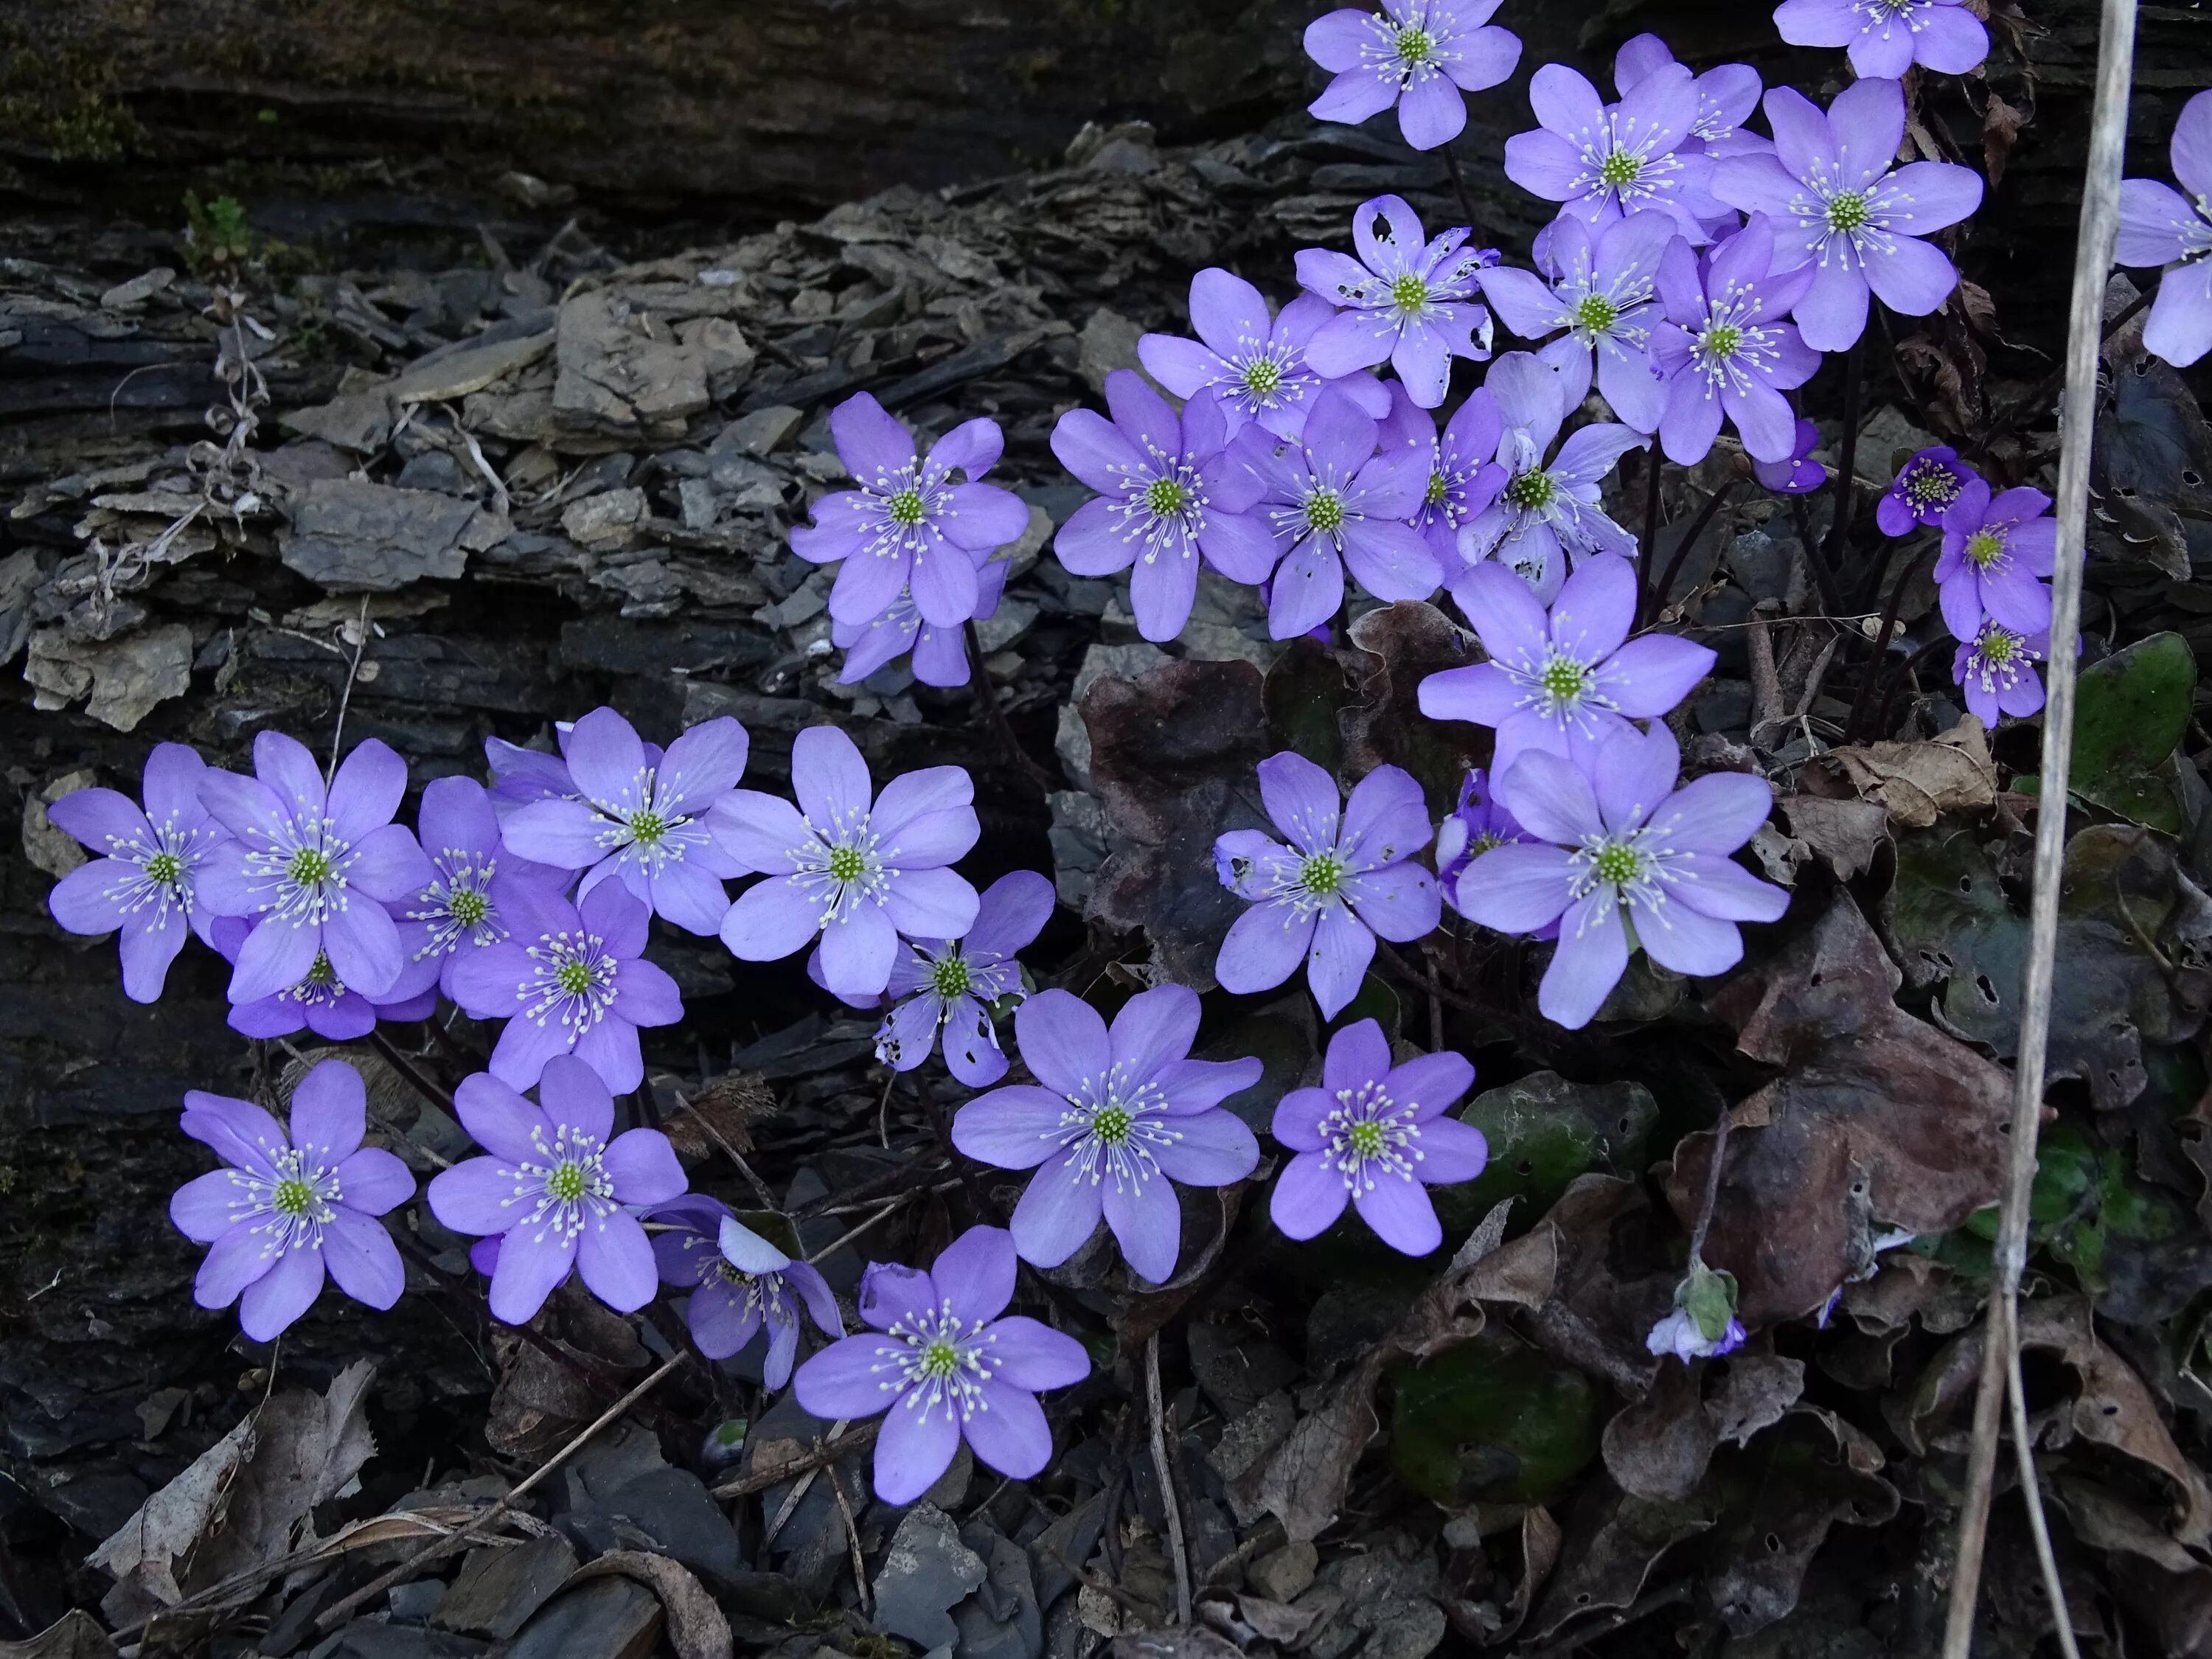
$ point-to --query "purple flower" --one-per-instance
(1996, 669)
(556, 1190)
(1331, 501)
(313, 871)
(1602, 293)
(1406, 300)
(1996, 550)
(739, 1283)
(1251, 368)
(568, 979)
(909, 523)
(1346, 876)
(645, 822)
(1797, 473)
(288, 1206)
(852, 873)
(1167, 492)
(940, 654)
(520, 775)
(1420, 55)
(2160, 226)
(1547, 514)
(145, 880)
(1727, 94)
(1463, 478)
(1118, 1117)
(1602, 161)
(1888, 37)
(1923, 491)
(1836, 201)
(319, 1002)
(1473, 827)
(1680, 1334)
(950, 1364)
(1566, 683)
(1633, 860)
(1726, 350)
(1375, 1133)
(952, 983)
(462, 908)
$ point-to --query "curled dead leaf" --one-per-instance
(1917, 782)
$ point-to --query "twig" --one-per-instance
(1166, 1473)
(2093, 260)
(851, 1542)
(345, 694)
(2031, 1495)
(337, 1613)
(888, 1209)
(746, 1485)
(987, 696)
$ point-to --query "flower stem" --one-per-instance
(1851, 732)
(410, 1073)
(1840, 531)
(1466, 201)
(987, 695)
(1713, 504)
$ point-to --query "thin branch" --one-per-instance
(1166, 1473)
(2093, 261)
(346, 695)
(760, 1481)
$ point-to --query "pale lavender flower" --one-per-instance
(2159, 226)
(1726, 347)
(312, 869)
(1463, 478)
(952, 983)
(1406, 300)
(1888, 37)
(909, 525)
(1332, 503)
(1727, 94)
(144, 880)
(1254, 369)
(950, 1363)
(290, 1206)
(558, 1189)
(848, 867)
(1547, 514)
(1474, 825)
(1420, 55)
(1346, 876)
(648, 823)
(319, 1002)
(1923, 491)
(1796, 473)
(1602, 161)
(1167, 493)
(1603, 292)
(1996, 550)
(740, 1284)
(1836, 201)
(569, 979)
(1703, 1325)
(940, 654)
(1632, 860)
(1564, 682)
(1375, 1135)
(462, 908)
(1996, 669)
(1114, 1118)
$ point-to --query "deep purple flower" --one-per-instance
(1924, 490)
(288, 1206)
(1330, 502)
(1836, 201)
(569, 979)
(1797, 473)
(1547, 514)
(1602, 161)
(1376, 1134)
(1473, 827)
(1463, 478)
(1888, 37)
(1727, 94)
(1602, 293)
(1346, 876)
(311, 871)
(462, 908)
(854, 873)
(940, 654)
(739, 1282)
(1252, 368)
(2160, 226)
(1420, 55)
(647, 823)
(1996, 550)
(1113, 1119)
(950, 1364)
(557, 1190)
(1567, 682)
(952, 983)
(1726, 349)
(1167, 492)
(1633, 860)
(145, 881)
(520, 775)
(1404, 299)
(1996, 669)
(908, 522)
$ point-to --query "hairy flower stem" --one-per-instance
(2039, 396)
(1711, 1196)
(1647, 600)
(1714, 502)
(1840, 530)
(1459, 184)
(987, 695)
(410, 1073)
(1852, 733)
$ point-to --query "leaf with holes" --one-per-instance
(2132, 712)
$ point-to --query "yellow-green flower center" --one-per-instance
(1262, 376)
(574, 976)
(846, 864)
(1409, 293)
(309, 866)
(1847, 211)
(1439, 486)
(1620, 169)
(165, 867)
(292, 1196)
(467, 907)
(1616, 863)
(1414, 47)
(1530, 490)
(905, 507)
(1365, 1138)
(567, 1181)
(940, 1359)
(646, 826)
(1595, 314)
(1324, 511)
(1997, 646)
(1164, 498)
(1563, 679)
(1721, 340)
(1321, 874)
(1929, 484)
(1984, 548)
(320, 974)
(949, 977)
(1110, 1123)
(1483, 843)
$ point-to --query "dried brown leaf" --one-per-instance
(1916, 782)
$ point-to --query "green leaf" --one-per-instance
(2132, 712)
(1711, 1300)
(1491, 1421)
(1305, 694)
(1543, 1132)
